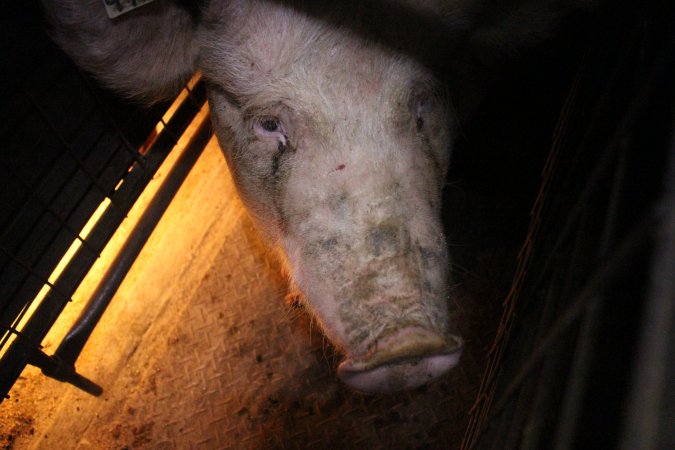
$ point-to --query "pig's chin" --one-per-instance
(404, 360)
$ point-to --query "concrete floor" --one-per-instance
(199, 350)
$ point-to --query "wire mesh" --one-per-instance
(70, 149)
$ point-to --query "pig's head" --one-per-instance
(338, 136)
(339, 147)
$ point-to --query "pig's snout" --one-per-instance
(381, 297)
(403, 360)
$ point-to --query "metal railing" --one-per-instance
(69, 150)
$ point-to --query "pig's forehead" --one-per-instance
(267, 54)
(375, 82)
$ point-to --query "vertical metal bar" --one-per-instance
(585, 345)
(651, 383)
(169, 131)
(191, 96)
(581, 361)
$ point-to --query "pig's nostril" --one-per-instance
(402, 361)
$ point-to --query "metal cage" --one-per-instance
(69, 149)
(583, 354)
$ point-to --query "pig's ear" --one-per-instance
(145, 54)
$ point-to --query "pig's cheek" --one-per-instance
(260, 172)
(277, 170)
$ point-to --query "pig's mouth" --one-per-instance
(404, 360)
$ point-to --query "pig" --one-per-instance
(337, 124)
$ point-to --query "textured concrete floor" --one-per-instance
(199, 350)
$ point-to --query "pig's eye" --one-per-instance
(270, 127)
(422, 107)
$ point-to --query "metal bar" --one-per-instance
(616, 144)
(47, 248)
(28, 268)
(585, 300)
(180, 118)
(483, 405)
(56, 192)
(102, 107)
(52, 367)
(193, 98)
(16, 357)
(71, 346)
(652, 383)
(578, 379)
(9, 223)
(22, 307)
(69, 150)
(169, 131)
(46, 207)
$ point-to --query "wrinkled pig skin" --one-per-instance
(339, 145)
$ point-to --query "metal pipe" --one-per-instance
(71, 346)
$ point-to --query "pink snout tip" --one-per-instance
(402, 361)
